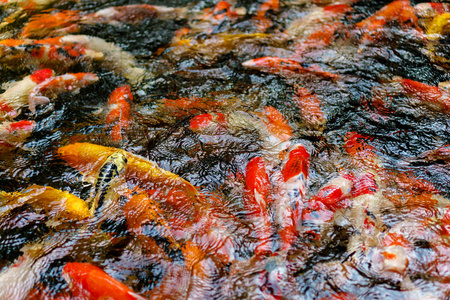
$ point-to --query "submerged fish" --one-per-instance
(17, 93)
(90, 282)
(51, 87)
(119, 111)
(13, 134)
(285, 67)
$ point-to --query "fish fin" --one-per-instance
(37, 100)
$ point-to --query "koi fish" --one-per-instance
(88, 158)
(262, 21)
(433, 97)
(110, 171)
(430, 10)
(50, 53)
(441, 154)
(438, 26)
(54, 23)
(285, 67)
(256, 199)
(399, 11)
(310, 107)
(90, 282)
(133, 14)
(184, 107)
(276, 124)
(16, 95)
(51, 87)
(334, 191)
(141, 210)
(119, 111)
(13, 134)
(59, 204)
(318, 20)
(292, 186)
(113, 57)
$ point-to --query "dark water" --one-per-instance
(365, 99)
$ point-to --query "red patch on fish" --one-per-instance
(21, 125)
(297, 163)
(276, 124)
(39, 76)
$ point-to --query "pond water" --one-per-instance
(213, 150)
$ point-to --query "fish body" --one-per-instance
(51, 24)
(399, 11)
(256, 199)
(433, 97)
(58, 204)
(291, 190)
(16, 95)
(133, 14)
(334, 191)
(90, 282)
(119, 111)
(310, 107)
(88, 158)
(285, 67)
(113, 168)
(13, 134)
(52, 87)
(430, 9)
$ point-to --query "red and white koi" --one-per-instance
(430, 10)
(51, 87)
(434, 155)
(292, 185)
(90, 282)
(16, 95)
(434, 97)
(13, 134)
(119, 111)
(256, 198)
(285, 67)
(334, 192)
(49, 52)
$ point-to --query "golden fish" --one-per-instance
(89, 158)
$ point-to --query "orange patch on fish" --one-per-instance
(309, 106)
(90, 282)
(276, 124)
(119, 111)
(43, 24)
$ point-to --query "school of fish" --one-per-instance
(262, 149)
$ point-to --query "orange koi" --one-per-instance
(183, 107)
(119, 111)
(276, 124)
(221, 10)
(90, 282)
(285, 67)
(263, 22)
(61, 23)
(141, 210)
(16, 96)
(323, 37)
(88, 158)
(309, 106)
(13, 134)
(433, 97)
(256, 198)
(53, 86)
(362, 153)
(399, 11)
